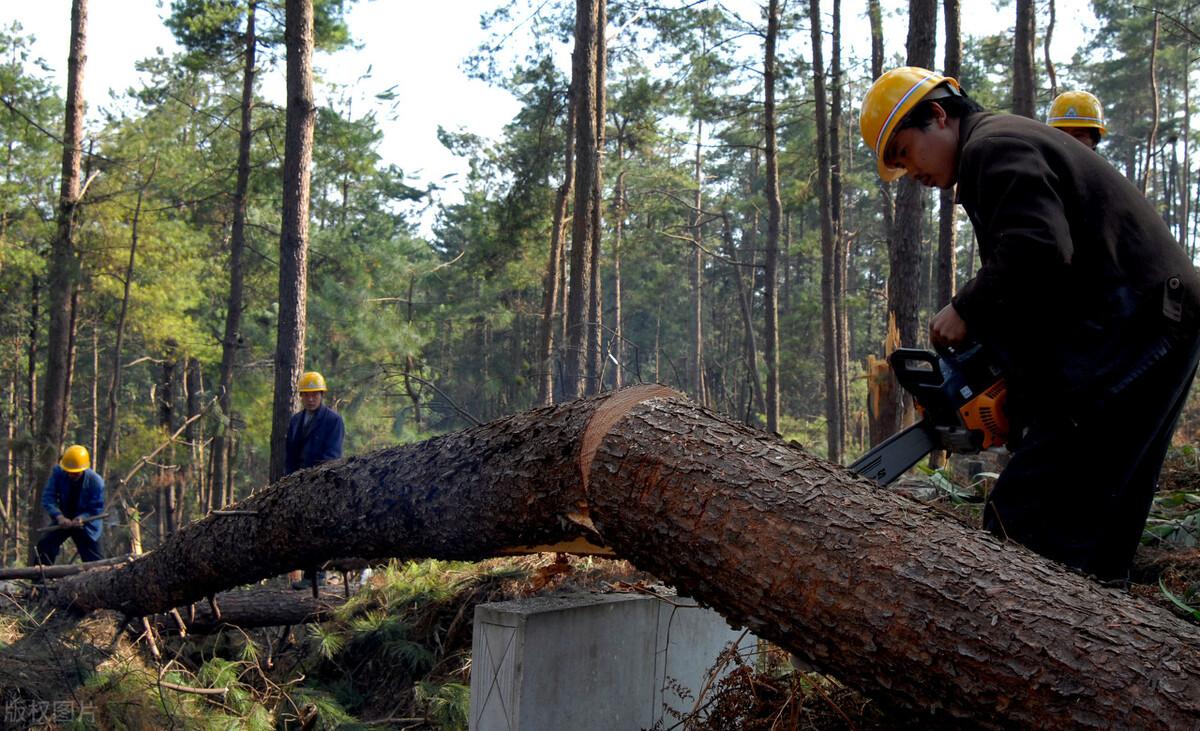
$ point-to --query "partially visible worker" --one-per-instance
(73, 493)
(1087, 300)
(1080, 115)
(314, 436)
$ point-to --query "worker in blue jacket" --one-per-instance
(314, 436)
(73, 493)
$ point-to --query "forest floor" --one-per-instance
(397, 653)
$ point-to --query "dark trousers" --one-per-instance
(47, 548)
(1079, 493)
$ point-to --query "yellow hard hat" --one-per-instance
(1077, 109)
(888, 101)
(75, 459)
(312, 381)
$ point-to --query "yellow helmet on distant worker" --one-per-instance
(312, 381)
(888, 101)
(1077, 109)
(75, 459)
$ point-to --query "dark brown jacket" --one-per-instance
(1082, 286)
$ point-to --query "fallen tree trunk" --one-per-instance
(250, 608)
(885, 594)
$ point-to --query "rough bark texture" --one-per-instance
(230, 342)
(946, 263)
(887, 595)
(834, 429)
(774, 215)
(583, 86)
(293, 238)
(1023, 87)
(61, 281)
(259, 607)
(595, 325)
(553, 282)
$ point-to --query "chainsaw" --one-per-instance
(960, 394)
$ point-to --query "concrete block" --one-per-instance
(590, 661)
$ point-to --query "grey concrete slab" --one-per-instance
(602, 662)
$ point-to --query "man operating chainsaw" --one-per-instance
(1090, 305)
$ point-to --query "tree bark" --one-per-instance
(1150, 138)
(834, 428)
(888, 595)
(595, 325)
(774, 214)
(946, 262)
(61, 279)
(553, 281)
(618, 379)
(247, 609)
(583, 85)
(695, 365)
(1024, 90)
(905, 246)
(293, 239)
(231, 340)
(1045, 48)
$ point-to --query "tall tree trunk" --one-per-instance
(62, 277)
(884, 414)
(165, 398)
(72, 352)
(1024, 87)
(583, 84)
(112, 400)
(841, 243)
(745, 308)
(618, 379)
(193, 472)
(887, 595)
(552, 281)
(595, 327)
(833, 412)
(1186, 180)
(774, 213)
(12, 503)
(1045, 49)
(31, 417)
(94, 391)
(946, 262)
(906, 245)
(1153, 134)
(293, 240)
(695, 367)
(231, 339)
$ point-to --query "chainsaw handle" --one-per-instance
(916, 368)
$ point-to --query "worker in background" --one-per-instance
(73, 493)
(1080, 115)
(1084, 296)
(314, 436)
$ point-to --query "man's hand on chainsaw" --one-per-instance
(947, 328)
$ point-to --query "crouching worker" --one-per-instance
(1089, 302)
(73, 493)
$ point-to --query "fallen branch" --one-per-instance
(57, 572)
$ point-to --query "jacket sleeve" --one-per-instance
(92, 502)
(331, 445)
(50, 497)
(1013, 198)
